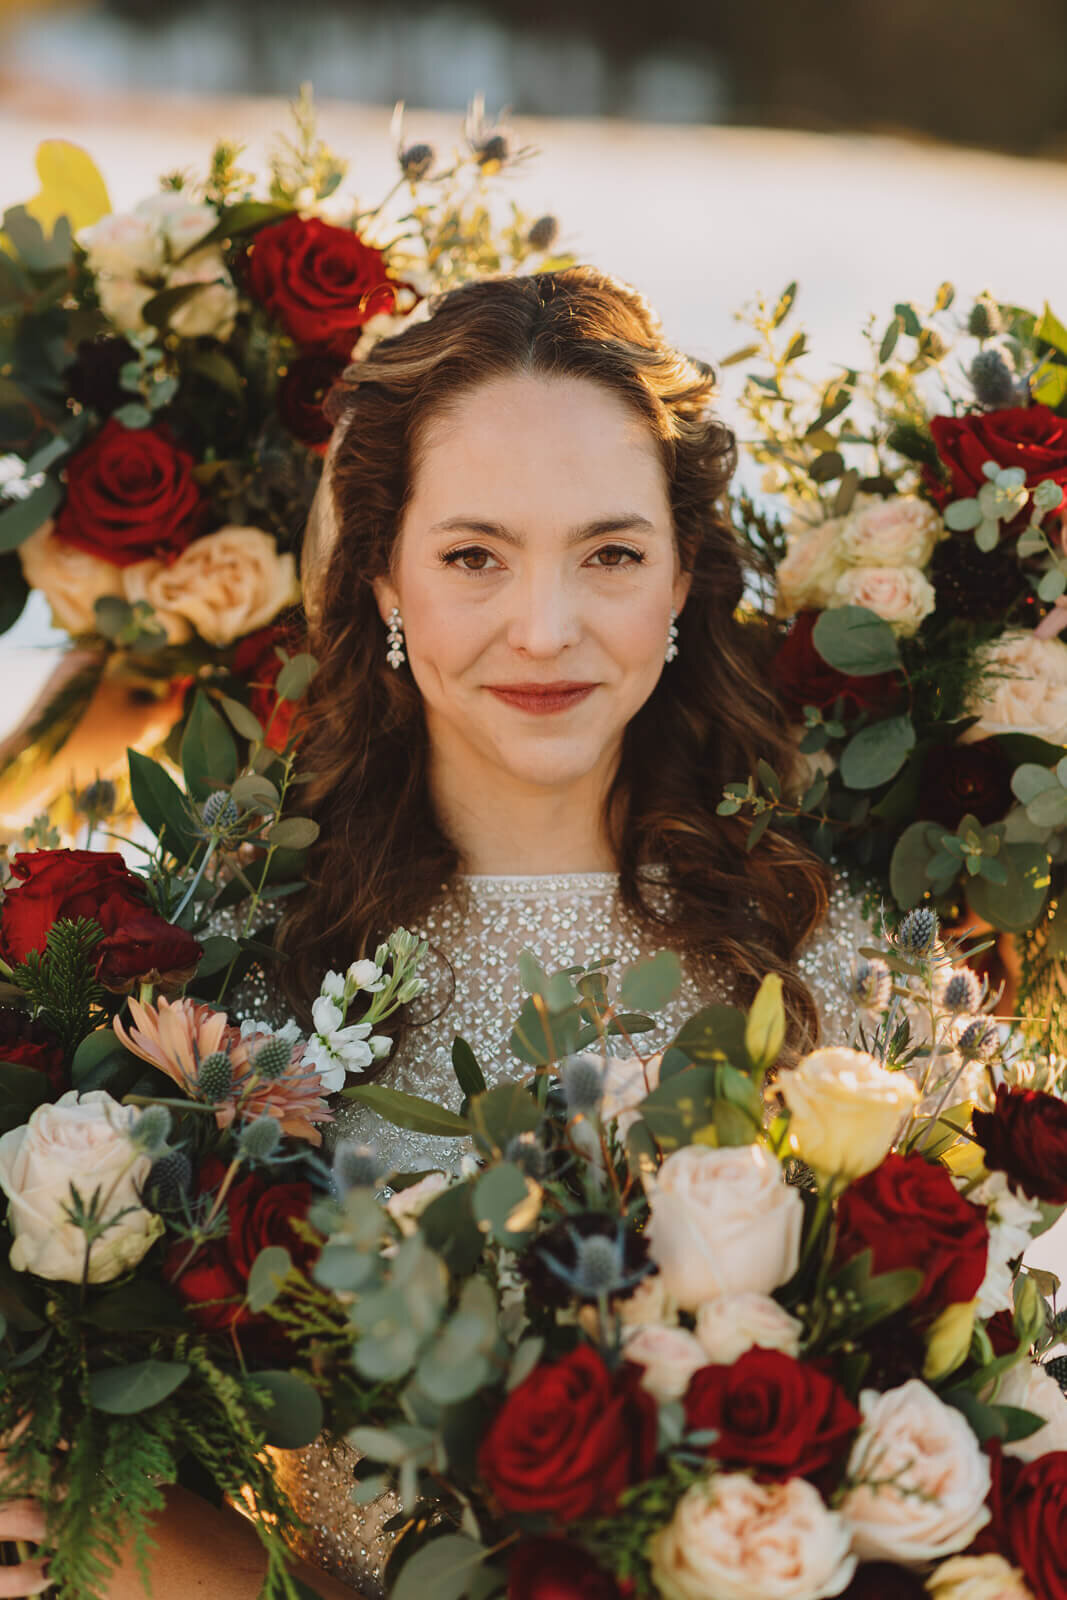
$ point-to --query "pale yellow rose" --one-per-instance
(813, 563)
(845, 1109)
(1023, 689)
(899, 532)
(122, 301)
(211, 313)
(71, 580)
(733, 1323)
(901, 596)
(986, 1577)
(224, 585)
(124, 244)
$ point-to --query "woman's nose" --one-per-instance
(544, 616)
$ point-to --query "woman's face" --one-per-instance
(535, 571)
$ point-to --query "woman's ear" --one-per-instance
(682, 584)
(386, 597)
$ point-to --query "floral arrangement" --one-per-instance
(683, 1329)
(915, 531)
(166, 368)
(157, 1160)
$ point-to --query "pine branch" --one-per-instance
(60, 982)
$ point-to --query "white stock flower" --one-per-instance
(722, 1221)
(333, 987)
(333, 1049)
(901, 596)
(122, 301)
(844, 1110)
(1023, 689)
(124, 244)
(987, 1577)
(212, 312)
(1032, 1388)
(920, 1478)
(899, 532)
(734, 1539)
(70, 579)
(225, 584)
(366, 975)
(732, 1323)
(1010, 1219)
(669, 1357)
(380, 1045)
(812, 565)
(84, 1142)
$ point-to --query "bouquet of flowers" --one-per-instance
(165, 372)
(683, 1329)
(916, 540)
(157, 1160)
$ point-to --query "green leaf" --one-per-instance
(409, 1111)
(440, 1570)
(449, 1228)
(295, 1416)
(22, 1090)
(161, 806)
(1052, 585)
(141, 1304)
(502, 1113)
(158, 311)
(716, 1033)
(252, 792)
(208, 754)
(295, 677)
(786, 301)
(1029, 780)
(18, 521)
(963, 515)
(1051, 330)
(827, 466)
(769, 778)
(14, 590)
(681, 1107)
(757, 830)
(1049, 384)
(247, 216)
(541, 1037)
(498, 1194)
(876, 753)
(889, 339)
(765, 1027)
(294, 833)
(469, 1074)
(265, 1278)
(856, 641)
(651, 984)
(1017, 904)
(908, 879)
(246, 724)
(909, 318)
(133, 415)
(97, 1057)
(123, 1391)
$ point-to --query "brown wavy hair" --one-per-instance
(382, 857)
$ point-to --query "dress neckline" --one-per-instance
(497, 886)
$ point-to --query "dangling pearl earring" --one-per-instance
(394, 651)
(672, 639)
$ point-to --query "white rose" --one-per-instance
(986, 1577)
(734, 1539)
(185, 225)
(1023, 689)
(1032, 1388)
(212, 312)
(70, 579)
(812, 565)
(123, 245)
(901, 596)
(85, 1142)
(1010, 1219)
(845, 1109)
(722, 1221)
(900, 532)
(669, 1357)
(407, 1205)
(921, 1478)
(733, 1323)
(224, 585)
(122, 300)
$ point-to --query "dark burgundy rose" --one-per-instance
(975, 585)
(259, 1212)
(257, 662)
(1028, 1501)
(802, 678)
(552, 1569)
(881, 1580)
(145, 948)
(130, 496)
(908, 1213)
(962, 780)
(775, 1416)
(570, 1438)
(93, 377)
(1025, 1136)
(320, 281)
(28, 1042)
(301, 395)
(1031, 437)
(557, 1244)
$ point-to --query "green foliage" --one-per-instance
(60, 983)
(856, 641)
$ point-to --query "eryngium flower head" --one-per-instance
(985, 321)
(529, 1156)
(980, 1040)
(543, 233)
(917, 933)
(549, 1266)
(258, 1140)
(149, 1132)
(871, 984)
(582, 1080)
(219, 811)
(992, 379)
(962, 992)
(169, 1181)
(215, 1077)
(356, 1166)
(98, 799)
(416, 161)
(272, 1059)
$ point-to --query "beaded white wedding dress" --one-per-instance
(479, 926)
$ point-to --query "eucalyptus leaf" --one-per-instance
(468, 1073)
(652, 983)
(1029, 780)
(877, 752)
(24, 517)
(244, 721)
(408, 1110)
(295, 677)
(856, 641)
(295, 1414)
(294, 833)
(440, 1570)
(1016, 905)
(909, 864)
(266, 1276)
(124, 1391)
(502, 1205)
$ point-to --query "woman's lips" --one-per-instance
(542, 699)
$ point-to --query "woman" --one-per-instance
(522, 592)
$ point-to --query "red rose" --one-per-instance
(552, 1569)
(302, 393)
(137, 946)
(259, 1212)
(257, 661)
(29, 1043)
(570, 1438)
(321, 282)
(130, 496)
(1031, 437)
(1029, 1527)
(908, 1214)
(779, 1417)
(1025, 1135)
(802, 678)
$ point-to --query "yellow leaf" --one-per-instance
(71, 187)
(765, 1027)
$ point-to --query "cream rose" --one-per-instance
(1023, 689)
(85, 1142)
(900, 532)
(1032, 1388)
(813, 563)
(733, 1323)
(734, 1539)
(181, 222)
(122, 301)
(722, 1221)
(901, 596)
(669, 1357)
(212, 312)
(123, 245)
(224, 585)
(844, 1110)
(71, 580)
(920, 1477)
(986, 1577)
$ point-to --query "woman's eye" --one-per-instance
(617, 555)
(472, 559)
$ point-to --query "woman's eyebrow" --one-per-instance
(618, 523)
